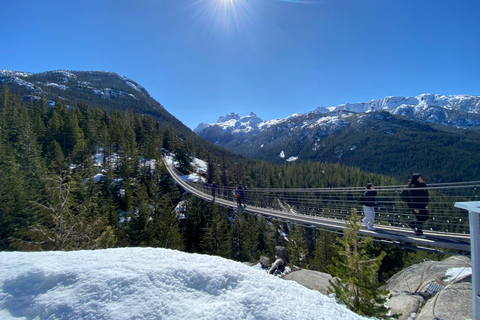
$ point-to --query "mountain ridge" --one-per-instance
(450, 110)
(432, 128)
(97, 88)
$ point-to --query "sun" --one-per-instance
(231, 14)
(229, 18)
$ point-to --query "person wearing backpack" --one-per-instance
(418, 203)
(369, 201)
(239, 194)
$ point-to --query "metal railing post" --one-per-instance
(474, 217)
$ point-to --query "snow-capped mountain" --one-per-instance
(455, 111)
(353, 133)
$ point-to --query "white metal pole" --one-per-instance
(474, 219)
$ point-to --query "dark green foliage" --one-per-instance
(245, 237)
(216, 239)
(325, 250)
(356, 271)
(297, 247)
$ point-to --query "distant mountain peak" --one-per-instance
(342, 133)
(229, 116)
(463, 103)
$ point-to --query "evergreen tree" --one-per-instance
(217, 239)
(297, 246)
(60, 222)
(15, 212)
(167, 229)
(357, 273)
(245, 237)
(325, 250)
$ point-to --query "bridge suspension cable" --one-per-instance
(446, 223)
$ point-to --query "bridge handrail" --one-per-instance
(336, 203)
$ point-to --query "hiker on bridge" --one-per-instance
(239, 192)
(418, 203)
(369, 201)
(214, 190)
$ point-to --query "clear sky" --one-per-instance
(204, 58)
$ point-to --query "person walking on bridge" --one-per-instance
(418, 203)
(214, 190)
(239, 194)
(369, 201)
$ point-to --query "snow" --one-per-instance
(150, 283)
(59, 86)
(447, 110)
(457, 273)
(198, 165)
(131, 85)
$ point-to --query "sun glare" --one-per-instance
(226, 15)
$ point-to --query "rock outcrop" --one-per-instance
(311, 279)
(424, 291)
(452, 298)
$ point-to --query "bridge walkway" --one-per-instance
(327, 209)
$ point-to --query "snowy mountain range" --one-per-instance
(356, 133)
(455, 111)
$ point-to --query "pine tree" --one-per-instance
(357, 280)
(15, 211)
(167, 229)
(217, 239)
(245, 237)
(325, 250)
(61, 223)
(297, 246)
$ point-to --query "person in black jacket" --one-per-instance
(369, 202)
(214, 190)
(418, 203)
(240, 195)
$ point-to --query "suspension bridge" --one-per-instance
(328, 209)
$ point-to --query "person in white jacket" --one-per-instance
(369, 201)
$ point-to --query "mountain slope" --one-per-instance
(108, 91)
(105, 90)
(437, 135)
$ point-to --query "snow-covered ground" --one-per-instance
(198, 166)
(150, 283)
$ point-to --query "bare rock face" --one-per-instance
(405, 304)
(451, 300)
(311, 279)
(417, 277)
(454, 302)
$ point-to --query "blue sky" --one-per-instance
(204, 58)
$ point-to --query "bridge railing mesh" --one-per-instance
(336, 203)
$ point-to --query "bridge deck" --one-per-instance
(393, 235)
